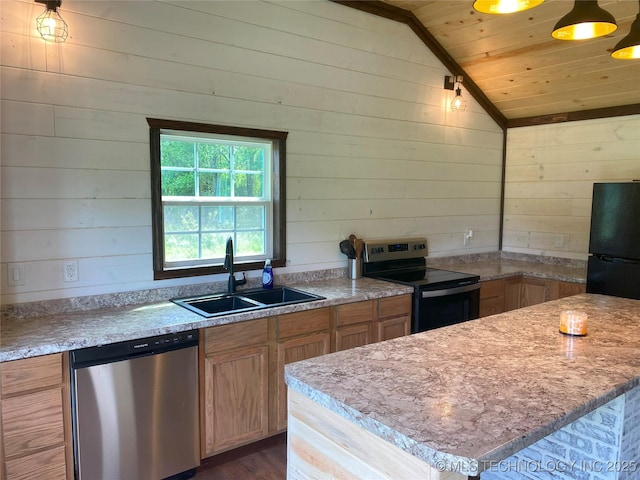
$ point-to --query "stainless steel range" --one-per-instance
(440, 298)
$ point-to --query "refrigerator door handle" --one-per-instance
(610, 259)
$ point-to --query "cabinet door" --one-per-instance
(236, 405)
(394, 317)
(535, 291)
(512, 293)
(353, 336)
(567, 289)
(491, 297)
(393, 328)
(295, 350)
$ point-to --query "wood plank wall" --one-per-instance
(371, 149)
(549, 181)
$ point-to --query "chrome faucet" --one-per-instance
(228, 265)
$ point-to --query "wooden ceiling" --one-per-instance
(513, 65)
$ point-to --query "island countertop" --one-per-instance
(477, 392)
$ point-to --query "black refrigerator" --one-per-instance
(614, 241)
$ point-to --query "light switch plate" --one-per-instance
(15, 274)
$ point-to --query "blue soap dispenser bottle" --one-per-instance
(267, 275)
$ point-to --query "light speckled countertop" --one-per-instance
(58, 329)
(479, 391)
(41, 335)
(507, 267)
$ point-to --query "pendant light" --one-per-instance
(499, 7)
(629, 47)
(50, 24)
(586, 20)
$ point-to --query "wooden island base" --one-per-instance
(322, 444)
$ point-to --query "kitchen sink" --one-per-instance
(283, 295)
(249, 300)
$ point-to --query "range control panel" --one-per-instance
(394, 249)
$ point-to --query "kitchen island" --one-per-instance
(501, 397)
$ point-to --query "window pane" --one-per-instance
(180, 218)
(250, 217)
(247, 185)
(178, 184)
(215, 184)
(217, 218)
(248, 158)
(179, 247)
(177, 153)
(216, 156)
(250, 243)
(214, 244)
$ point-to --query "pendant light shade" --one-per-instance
(50, 24)
(586, 20)
(499, 7)
(458, 104)
(629, 47)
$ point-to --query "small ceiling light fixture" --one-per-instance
(629, 47)
(499, 7)
(586, 20)
(50, 24)
(458, 104)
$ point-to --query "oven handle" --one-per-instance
(450, 291)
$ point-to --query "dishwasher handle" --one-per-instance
(115, 352)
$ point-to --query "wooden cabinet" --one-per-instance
(234, 380)
(354, 325)
(491, 297)
(394, 318)
(35, 412)
(243, 394)
(523, 291)
(299, 336)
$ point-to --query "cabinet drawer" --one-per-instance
(236, 335)
(31, 374)
(358, 312)
(49, 464)
(32, 421)
(394, 306)
(299, 323)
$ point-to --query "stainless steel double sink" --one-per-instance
(249, 300)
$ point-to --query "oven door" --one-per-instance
(447, 306)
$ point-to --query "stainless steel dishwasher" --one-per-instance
(135, 409)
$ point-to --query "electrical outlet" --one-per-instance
(70, 271)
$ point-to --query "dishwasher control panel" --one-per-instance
(113, 352)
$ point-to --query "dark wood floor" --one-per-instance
(266, 460)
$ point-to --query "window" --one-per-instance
(212, 182)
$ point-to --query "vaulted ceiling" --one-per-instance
(514, 67)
